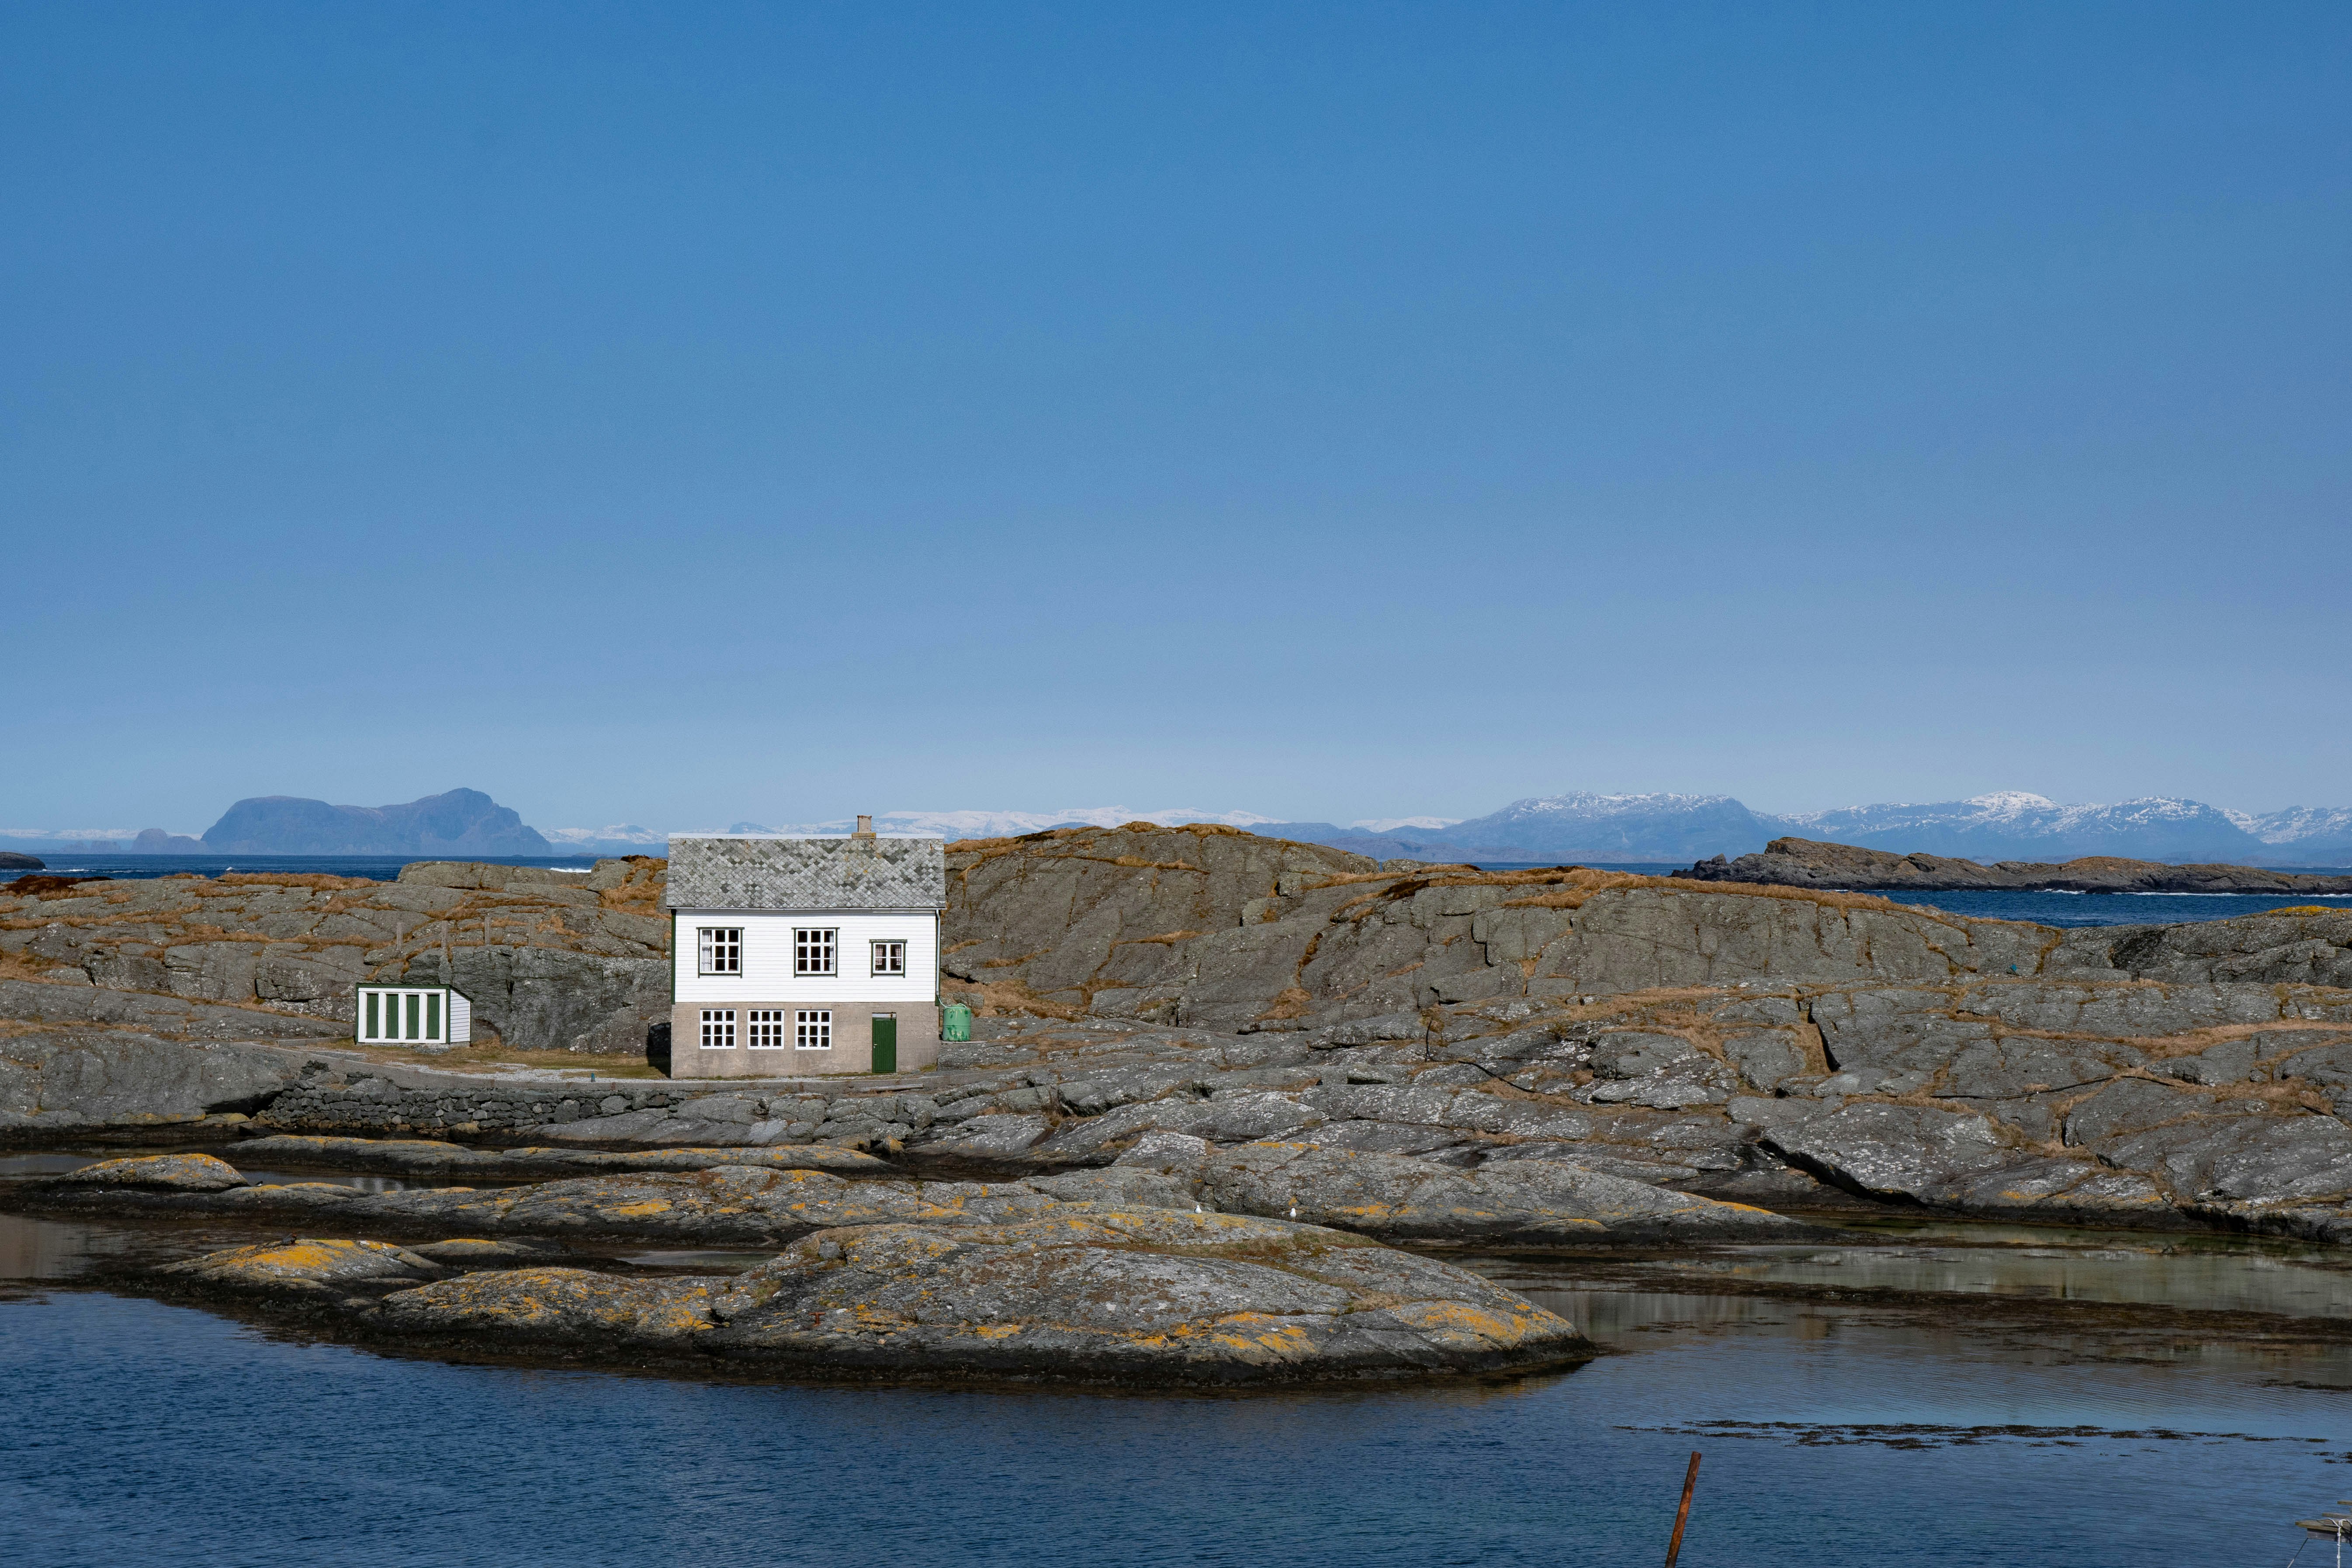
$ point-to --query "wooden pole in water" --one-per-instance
(1681, 1514)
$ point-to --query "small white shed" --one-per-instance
(413, 1014)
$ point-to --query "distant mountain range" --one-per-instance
(1579, 826)
(2008, 826)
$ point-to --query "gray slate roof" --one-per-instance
(731, 872)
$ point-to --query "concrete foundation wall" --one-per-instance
(853, 1041)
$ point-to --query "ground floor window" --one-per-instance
(718, 1028)
(767, 1028)
(812, 1029)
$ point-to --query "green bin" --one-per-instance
(955, 1024)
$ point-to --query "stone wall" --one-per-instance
(345, 1095)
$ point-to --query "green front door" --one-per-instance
(885, 1043)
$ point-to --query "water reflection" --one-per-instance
(37, 1250)
(2192, 1279)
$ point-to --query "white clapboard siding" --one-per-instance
(768, 957)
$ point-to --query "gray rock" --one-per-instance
(306, 1267)
(59, 1082)
(1105, 1296)
(1892, 1151)
(1523, 1203)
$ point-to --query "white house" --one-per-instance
(411, 1016)
(804, 955)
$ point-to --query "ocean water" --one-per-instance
(2117, 909)
(374, 867)
(1832, 1436)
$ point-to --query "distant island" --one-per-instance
(1808, 863)
(461, 822)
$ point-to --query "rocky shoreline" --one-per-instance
(1195, 1023)
(1808, 863)
(1118, 1277)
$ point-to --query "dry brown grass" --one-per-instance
(316, 879)
(480, 1057)
(1292, 1003)
(998, 998)
(642, 893)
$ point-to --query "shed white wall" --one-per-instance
(461, 1018)
(768, 957)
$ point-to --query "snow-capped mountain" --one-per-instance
(2322, 830)
(1586, 825)
(1391, 823)
(952, 825)
(620, 838)
(2012, 825)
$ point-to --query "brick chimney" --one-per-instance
(864, 828)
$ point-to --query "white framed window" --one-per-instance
(813, 952)
(889, 958)
(812, 1029)
(722, 949)
(766, 1027)
(719, 1028)
(399, 1015)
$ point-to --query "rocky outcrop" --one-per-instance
(1215, 928)
(1058, 918)
(1090, 1294)
(161, 1172)
(1806, 863)
(552, 962)
(698, 1200)
(59, 1083)
(1519, 1203)
(12, 861)
(351, 1094)
(1245, 944)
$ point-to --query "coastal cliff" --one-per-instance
(1809, 863)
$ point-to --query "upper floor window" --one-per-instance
(811, 951)
(722, 950)
(889, 958)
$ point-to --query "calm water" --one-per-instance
(375, 867)
(2076, 908)
(1833, 1435)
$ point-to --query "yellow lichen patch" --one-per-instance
(1459, 1319)
(2296, 910)
(637, 1210)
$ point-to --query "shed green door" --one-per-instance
(885, 1043)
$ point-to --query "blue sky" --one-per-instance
(680, 413)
